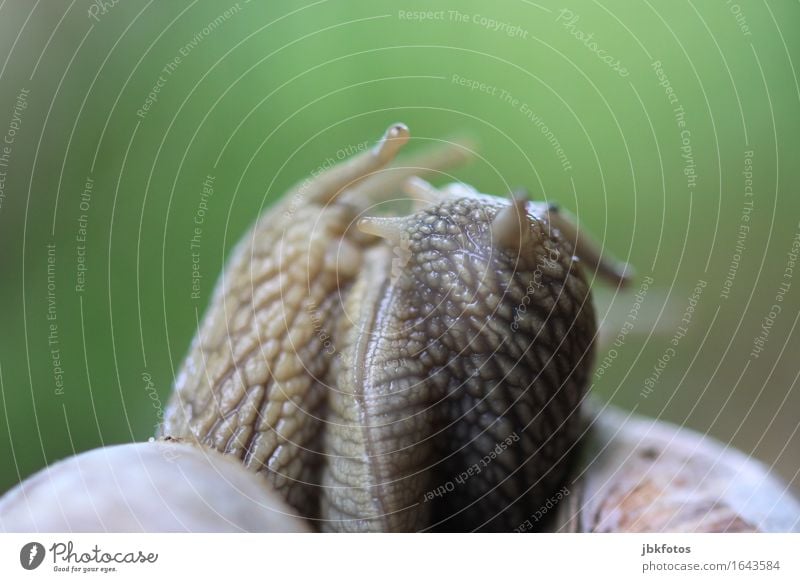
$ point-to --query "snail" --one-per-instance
(429, 372)
(399, 373)
(434, 362)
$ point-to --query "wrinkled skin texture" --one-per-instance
(432, 377)
(253, 384)
(360, 374)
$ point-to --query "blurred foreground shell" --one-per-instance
(146, 487)
(639, 474)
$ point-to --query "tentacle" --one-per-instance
(328, 185)
(389, 228)
(423, 193)
(511, 228)
(458, 190)
(616, 272)
(382, 185)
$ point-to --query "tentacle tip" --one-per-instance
(519, 202)
(511, 226)
(396, 136)
(387, 228)
(520, 195)
(366, 225)
(398, 130)
(626, 275)
(616, 273)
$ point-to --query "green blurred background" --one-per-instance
(264, 95)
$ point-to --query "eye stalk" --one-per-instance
(513, 228)
(388, 228)
(615, 272)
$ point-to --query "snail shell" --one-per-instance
(637, 474)
(397, 373)
(146, 487)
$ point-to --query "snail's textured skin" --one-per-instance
(427, 372)
(434, 374)
(408, 374)
(253, 384)
(360, 374)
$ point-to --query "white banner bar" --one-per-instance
(400, 558)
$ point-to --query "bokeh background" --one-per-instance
(569, 100)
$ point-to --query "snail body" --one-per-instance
(362, 363)
(414, 373)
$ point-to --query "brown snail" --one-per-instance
(428, 372)
(435, 364)
(364, 363)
